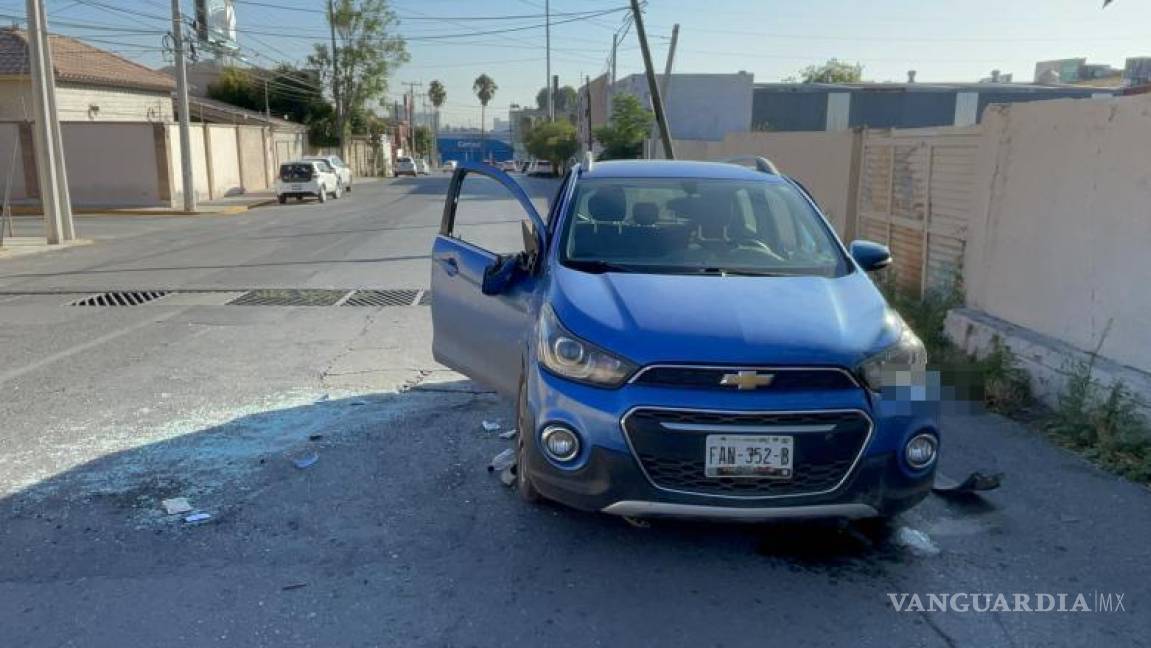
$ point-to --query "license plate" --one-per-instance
(749, 456)
(296, 187)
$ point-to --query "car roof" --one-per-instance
(675, 169)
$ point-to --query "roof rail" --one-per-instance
(761, 163)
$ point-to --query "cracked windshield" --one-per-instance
(605, 323)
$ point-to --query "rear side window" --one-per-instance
(295, 172)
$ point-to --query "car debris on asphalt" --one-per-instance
(196, 518)
(176, 505)
(305, 460)
(505, 459)
(975, 482)
(508, 476)
(491, 426)
(916, 541)
(510, 434)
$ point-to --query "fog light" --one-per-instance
(560, 443)
(921, 450)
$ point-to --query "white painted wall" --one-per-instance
(11, 166)
(224, 150)
(112, 165)
(1061, 229)
(700, 106)
(76, 102)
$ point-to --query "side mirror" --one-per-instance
(531, 243)
(870, 256)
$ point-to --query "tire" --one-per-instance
(283, 199)
(524, 486)
(323, 195)
(339, 192)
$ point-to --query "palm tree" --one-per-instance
(438, 95)
(485, 88)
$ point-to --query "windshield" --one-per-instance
(673, 225)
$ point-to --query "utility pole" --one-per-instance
(548, 37)
(587, 110)
(184, 110)
(411, 113)
(267, 106)
(670, 59)
(54, 195)
(611, 82)
(652, 84)
(336, 78)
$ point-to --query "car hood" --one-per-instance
(763, 321)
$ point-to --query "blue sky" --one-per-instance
(943, 41)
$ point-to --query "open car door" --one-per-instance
(482, 296)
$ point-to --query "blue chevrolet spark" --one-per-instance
(689, 339)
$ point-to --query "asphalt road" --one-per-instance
(397, 535)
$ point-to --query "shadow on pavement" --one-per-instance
(395, 534)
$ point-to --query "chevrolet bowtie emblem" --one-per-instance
(747, 380)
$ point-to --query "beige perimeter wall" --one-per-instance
(9, 165)
(1062, 226)
(224, 158)
(822, 161)
(112, 165)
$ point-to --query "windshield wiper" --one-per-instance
(597, 266)
(741, 272)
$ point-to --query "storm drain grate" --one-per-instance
(382, 298)
(289, 297)
(121, 298)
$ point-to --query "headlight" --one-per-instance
(902, 364)
(566, 355)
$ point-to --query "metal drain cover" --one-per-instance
(289, 297)
(401, 297)
(121, 298)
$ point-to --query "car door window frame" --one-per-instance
(448, 221)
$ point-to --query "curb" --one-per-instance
(95, 211)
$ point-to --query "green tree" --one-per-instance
(423, 140)
(292, 94)
(438, 95)
(367, 49)
(555, 141)
(834, 71)
(485, 88)
(234, 86)
(630, 124)
(566, 100)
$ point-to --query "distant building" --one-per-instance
(1074, 71)
(698, 106)
(472, 146)
(827, 107)
(92, 85)
(1137, 71)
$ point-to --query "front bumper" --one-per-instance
(608, 476)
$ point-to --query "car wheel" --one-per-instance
(524, 486)
(323, 196)
(338, 193)
(348, 189)
(283, 199)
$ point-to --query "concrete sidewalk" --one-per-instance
(228, 205)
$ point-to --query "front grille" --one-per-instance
(788, 379)
(675, 459)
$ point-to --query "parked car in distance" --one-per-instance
(449, 166)
(689, 339)
(541, 168)
(303, 178)
(406, 166)
(343, 171)
(508, 166)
